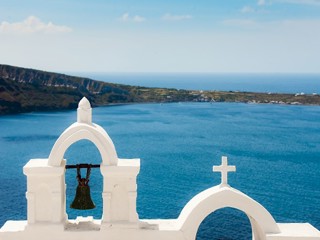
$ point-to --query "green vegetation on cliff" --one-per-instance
(26, 90)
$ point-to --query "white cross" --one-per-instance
(224, 169)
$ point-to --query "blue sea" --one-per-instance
(249, 82)
(276, 149)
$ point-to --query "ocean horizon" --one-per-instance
(244, 82)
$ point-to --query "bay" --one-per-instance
(276, 149)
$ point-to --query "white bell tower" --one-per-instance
(46, 177)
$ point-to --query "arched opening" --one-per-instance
(83, 151)
(215, 198)
(225, 224)
(77, 132)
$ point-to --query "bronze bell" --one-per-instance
(82, 200)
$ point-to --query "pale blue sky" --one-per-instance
(162, 36)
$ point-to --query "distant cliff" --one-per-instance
(26, 90)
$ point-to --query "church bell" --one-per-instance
(82, 200)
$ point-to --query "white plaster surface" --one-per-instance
(212, 199)
(84, 112)
(47, 218)
(79, 131)
(224, 168)
(299, 231)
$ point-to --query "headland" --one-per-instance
(28, 90)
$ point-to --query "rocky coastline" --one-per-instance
(27, 90)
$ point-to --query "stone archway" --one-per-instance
(79, 131)
(83, 152)
(84, 129)
(225, 223)
(212, 199)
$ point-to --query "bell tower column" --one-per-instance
(45, 192)
(120, 193)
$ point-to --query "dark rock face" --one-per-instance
(24, 90)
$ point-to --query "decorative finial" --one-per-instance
(84, 103)
(84, 111)
(224, 169)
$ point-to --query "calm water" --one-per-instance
(281, 83)
(276, 150)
